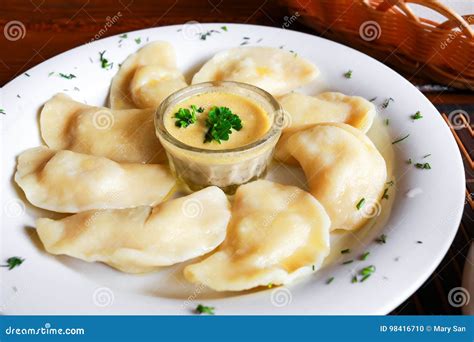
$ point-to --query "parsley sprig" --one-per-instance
(201, 309)
(104, 62)
(221, 122)
(185, 117)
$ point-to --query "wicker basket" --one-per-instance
(391, 32)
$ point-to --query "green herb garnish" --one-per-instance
(348, 262)
(123, 36)
(2, 111)
(367, 270)
(381, 239)
(409, 161)
(423, 166)
(387, 122)
(138, 40)
(201, 309)
(364, 256)
(346, 251)
(13, 262)
(419, 242)
(348, 74)
(373, 99)
(329, 281)
(104, 62)
(426, 155)
(27, 74)
(69, 77)
(221, 121)
(385, 194)
(224, 28)
(360, 204)
(417, 116)
(51, 73)
(386, 102)
(204, 35)
(185, 117)
(400, 139)
(354, 279)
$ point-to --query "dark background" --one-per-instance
(54, 26)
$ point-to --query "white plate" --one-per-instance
(45, 284)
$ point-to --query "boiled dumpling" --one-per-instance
(303, 111)
(144, 238)
(344, 171)
(276, 234)
(274, 70)
(146, 78)
(70, 182)
(120, 135)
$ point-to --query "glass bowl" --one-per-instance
(226, 168)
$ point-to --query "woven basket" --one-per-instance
(391, 32)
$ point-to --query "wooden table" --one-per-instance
(54, 26)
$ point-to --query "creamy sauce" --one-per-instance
(255, 121)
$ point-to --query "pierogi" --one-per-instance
(275, 70)
(146, 78)
(141, 239)
(69, 182)
(120, 135)
(277, 233)
(344, 170)
(303, 111)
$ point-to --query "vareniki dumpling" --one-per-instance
(344, 170)
(143, 238)
(120, 135)
(276, 234)
(69, 182)
(146, 78)
(274, 70)
(303, 111)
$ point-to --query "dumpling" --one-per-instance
(303, 111)
(277, 233)
(70, 182)
(120, 135)
(275, 70)
(344, 170)
(146, 78)
(143, 238)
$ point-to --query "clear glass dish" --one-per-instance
(226, 168)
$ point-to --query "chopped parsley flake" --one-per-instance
(426, 166)
(201, 309)
(123, 36)
(387, 122)
(51, 73)
(386, 102)
(348, 262)
(348, 74)
(417, 116)
(329, 281)
(69, 77)
(221, 122)
(409, 161)
(426, 155)
(364, 256)
(27, 74)
(138, 40)
(385, 194)
(373, 99)
(381, 239)
(400, 139)
(104, 62)
(13, 262)
(346, 251)
(204, 35)
(360, 204)
(354, 279)
(419, 242)
(224, 28)
(2, 111)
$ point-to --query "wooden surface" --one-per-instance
(52, 27)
